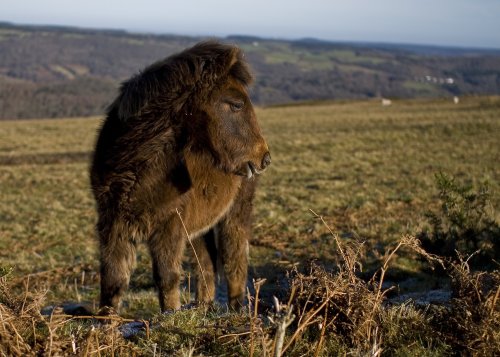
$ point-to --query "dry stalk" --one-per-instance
(235, 334)
(257, 284)
(322, 334)
(148, 331)
(494, 301)
(292, 295)
(77, 293)
(26, 286)
(282, 322)
(86, 353)
(112, 345)
(303, 312)
(189, 287)
(347, 253)
(301, 327)
(250, 317)
(333, 234)
(49, 326)
(385, 266)
(376, 350)
(97, 317)
(97, 344)
(192, 247)
(406, 241)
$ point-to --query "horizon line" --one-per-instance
(250, 36)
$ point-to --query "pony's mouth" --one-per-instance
(252, 170)
(249, 170)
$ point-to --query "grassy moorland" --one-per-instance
(369, 174)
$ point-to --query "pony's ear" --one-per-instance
(213, 61)
(230, 62)
(231, 57)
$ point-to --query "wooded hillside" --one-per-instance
(64, 72)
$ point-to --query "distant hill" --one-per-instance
(48, 71)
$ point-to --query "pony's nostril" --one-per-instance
(266, 161)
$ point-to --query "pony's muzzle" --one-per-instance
(266, 161)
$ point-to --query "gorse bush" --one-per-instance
(464, 224)
(470, 323)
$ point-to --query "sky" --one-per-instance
(463, 23)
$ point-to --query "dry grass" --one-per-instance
(24, 331)
(473, 322)
(367, 170)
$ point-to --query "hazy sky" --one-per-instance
(441, 22)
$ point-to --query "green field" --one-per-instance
(368, 170)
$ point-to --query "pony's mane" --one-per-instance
(183, 79)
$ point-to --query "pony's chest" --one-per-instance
(210, 197)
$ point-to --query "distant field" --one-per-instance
(369, 170)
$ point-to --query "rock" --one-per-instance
(70, 308)
(131, 329)
(438, 296)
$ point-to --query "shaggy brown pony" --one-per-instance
(181, 136)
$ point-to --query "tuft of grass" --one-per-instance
(24, 331)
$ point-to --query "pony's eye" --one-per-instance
(236, 106)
